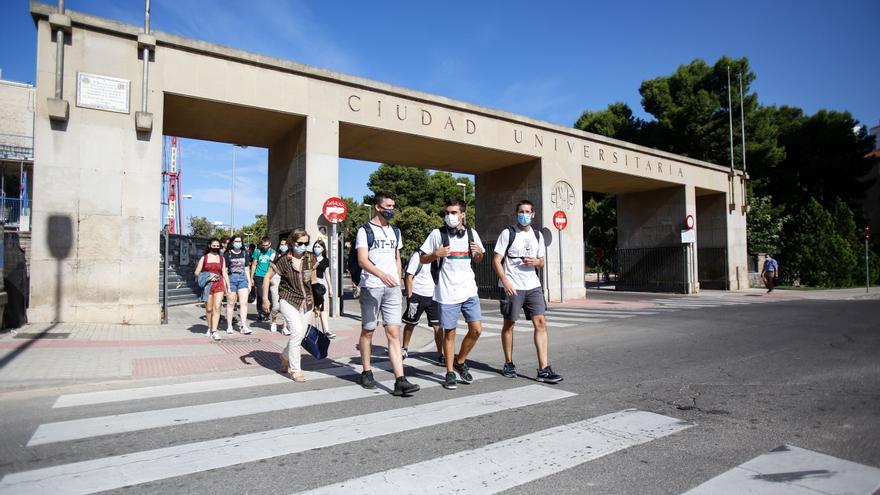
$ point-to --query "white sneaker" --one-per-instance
(330, 335)
(229, 329)
(273, 327)
(208, 332)
(285, 331)
(245, 330)
(216, 336)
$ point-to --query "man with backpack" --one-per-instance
(419, 286)
(451, 250)
(519, 252)
(378, 270)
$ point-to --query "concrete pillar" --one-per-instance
(97, 181)
(498, 192)
(303, 173)
(690, 205)
(711, 238)
(737, 242)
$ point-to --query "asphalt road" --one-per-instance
(735, 381)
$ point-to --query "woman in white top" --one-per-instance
(273, 291)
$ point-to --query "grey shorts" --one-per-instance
(387, 300)
(531, 301)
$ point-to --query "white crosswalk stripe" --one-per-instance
(121, 423)
(791, 470)
(141, 467)
(509, 463)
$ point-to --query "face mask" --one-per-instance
(388, 214)
(299, 249)
(452, 219)
(318, 251)
(264, 248)
(215, 250)
(236, 245)
(524, 219)
(283, 248)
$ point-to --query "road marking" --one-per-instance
(122, 395)
(151, 465)
(503, 465)
(500, 320)
(602, 312)
(794, 471)
(76, 429)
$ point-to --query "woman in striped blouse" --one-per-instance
(296, 268)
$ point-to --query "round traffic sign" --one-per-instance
(335, 210)
(560, 220)
(689, 222)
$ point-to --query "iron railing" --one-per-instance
(10, 210)
(712, 268)
(661, 269)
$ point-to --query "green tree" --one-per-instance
(200, 227)
(816, 253)
(600, 229)
(251, 234)
(765, 224)
(616, 121)
(410, 186)
(357, 216)
(415, 225)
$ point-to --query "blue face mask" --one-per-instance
(283, 248)
(300, 249)
(236, 245)
(388, 214)
(524, 219)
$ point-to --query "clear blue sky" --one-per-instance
(549, 60)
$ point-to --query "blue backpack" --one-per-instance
(354, 268)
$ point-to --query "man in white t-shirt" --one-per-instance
(419, 286)
(451, 250)
(378, 254)
(519, 252)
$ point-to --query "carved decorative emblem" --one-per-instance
(562, 196)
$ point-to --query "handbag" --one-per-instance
(315, 342)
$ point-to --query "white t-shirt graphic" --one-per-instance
(525, 245)
(383, 253)
(423, 283)
(457, 282)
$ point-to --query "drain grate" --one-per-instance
(42, 335)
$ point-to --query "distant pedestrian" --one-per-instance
(261, 258)
(274, 280)
(239, 285)
(212, 262)
(519, 252)
(378, 253)
(296, 268)
(419, 286)
(769, 273)
(323, 289)
(452, 250)
(224, 244)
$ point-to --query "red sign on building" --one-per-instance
(335, 210)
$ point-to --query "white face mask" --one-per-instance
(452, 219)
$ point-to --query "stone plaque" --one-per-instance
(102, 92)
(562, 196)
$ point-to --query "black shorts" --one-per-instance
(412, 311)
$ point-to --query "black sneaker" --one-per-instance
(367, 380)
(403, 388)
(464, 373)
(547, 375)
(509, 370)
(450, 383)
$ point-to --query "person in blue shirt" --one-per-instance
(769, 273)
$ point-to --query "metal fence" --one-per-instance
(10, 210)
(661, 269)
(712, 268)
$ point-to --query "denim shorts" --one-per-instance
(470, 308)
(237, 282)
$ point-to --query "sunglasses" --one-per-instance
(302, 243)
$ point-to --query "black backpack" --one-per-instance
(510, 238)
(437, 264)
(354, 268)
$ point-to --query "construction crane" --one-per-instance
(171, 185)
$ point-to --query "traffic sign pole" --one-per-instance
(867, 267)
(560, 221)
(561, 282)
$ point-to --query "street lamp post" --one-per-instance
(463, 187)
(369, 211)
(232, 192)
